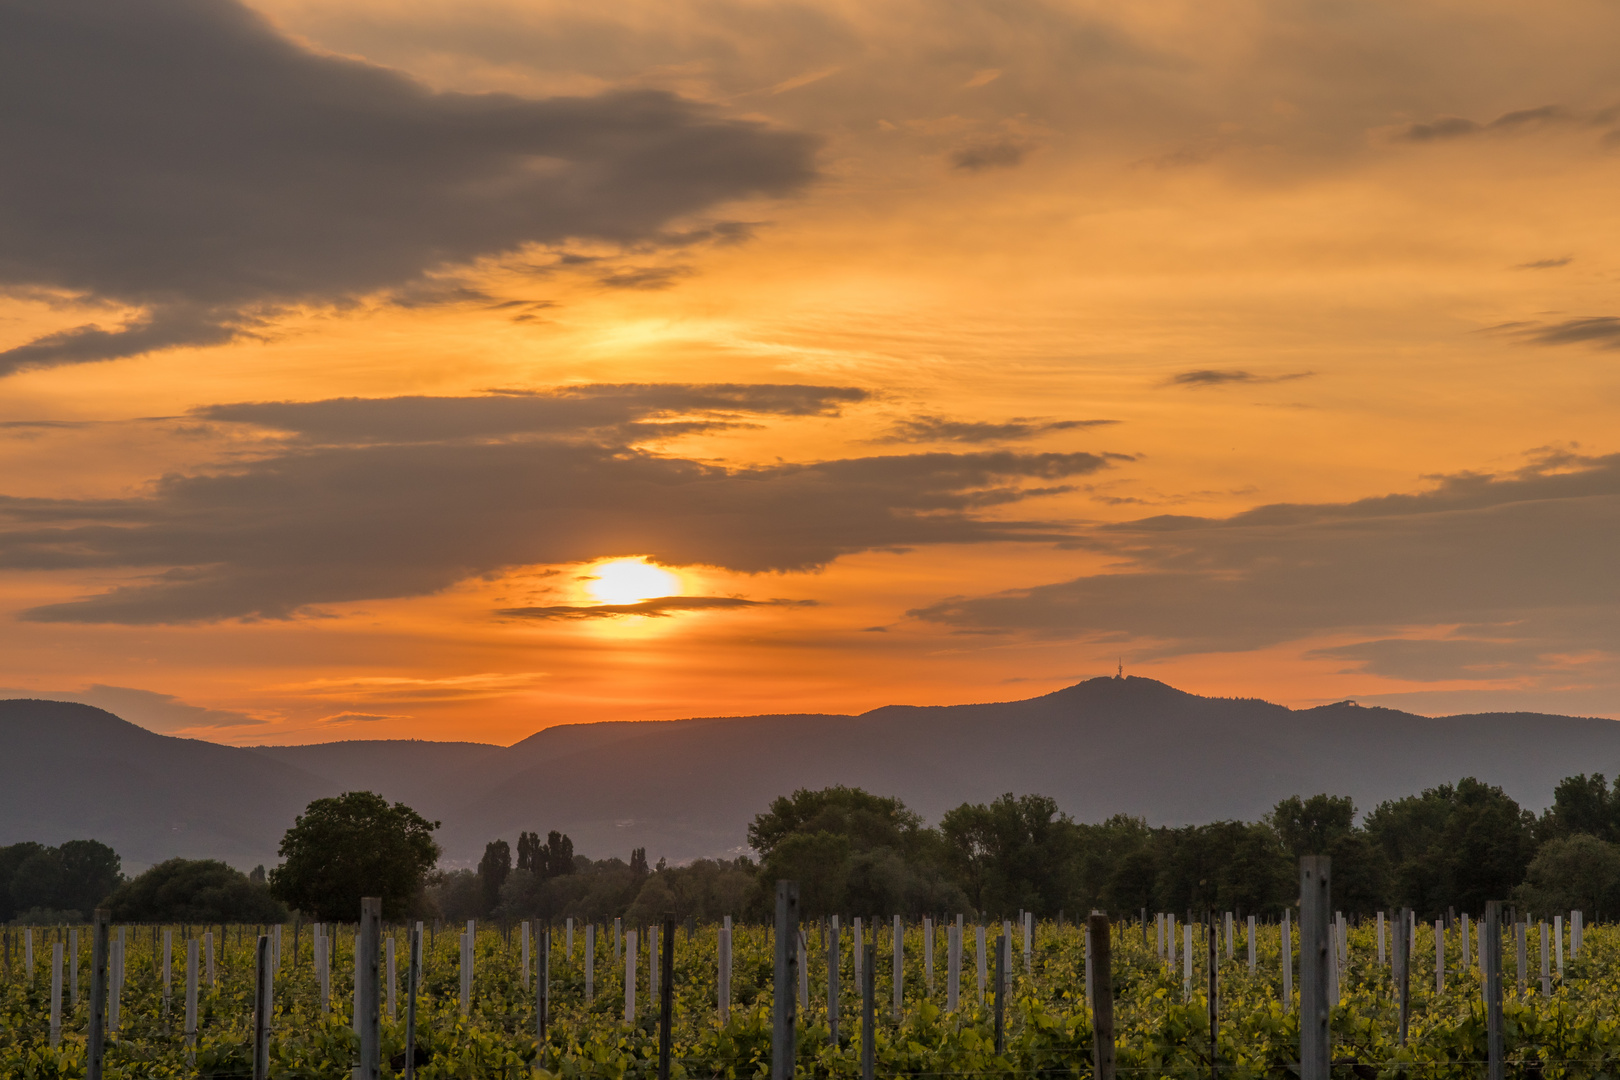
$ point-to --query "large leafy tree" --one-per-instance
(194, 890)
(1019, 852)
(851, 851)
(1326, 825)
(1459, 845)
(1582, 804)
(352, 846)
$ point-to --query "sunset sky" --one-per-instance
(420, 369)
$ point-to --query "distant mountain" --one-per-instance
(688, 788)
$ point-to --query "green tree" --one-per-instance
(194, 890)
(1582, 804)
(11, 857)
(90, 872)
(1017, 853)
(1225, 866)
(1573, 873)
(1325, 825)
(850, 850)
(1459, 845)
(492, 871)
(355, 845)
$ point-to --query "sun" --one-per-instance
(627, 581)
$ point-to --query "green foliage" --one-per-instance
(851, 850)
(192, 891)
(1573, 872)
(1016, 854)
(74, 877)
(1161, 1024)
(492, 871)
(355, 845)
(1453, 846)
(1583, 804)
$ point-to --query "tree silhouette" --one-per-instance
(351, 846)
(492, 871)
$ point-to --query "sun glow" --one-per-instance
(628, 581)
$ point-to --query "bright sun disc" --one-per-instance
(627, 581)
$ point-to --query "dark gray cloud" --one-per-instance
(1545, 264)
(657, 607)
(409, 496)
(183, 157)
(999, 154)
(945, 429)
(1228, 376)
(625, 409)
(1456, 127)
(1600, 330)
(1523, 564)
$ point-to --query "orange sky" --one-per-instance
(1266, 347)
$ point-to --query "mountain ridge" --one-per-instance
(687, 788)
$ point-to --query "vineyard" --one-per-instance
(480, 1020)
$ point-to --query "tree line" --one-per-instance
(1449, 848)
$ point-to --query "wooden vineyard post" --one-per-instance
(1546, 962)
(1102, 995)
(590, 962)
(928, 953)
(1287, 963)
(393, 1012)
(1251, 945)
(953, 962)
(56, 994)
(525, 960)
(723, 996)
(666, 996)
(97, 1036)
(868, 1009)
(1213, 997)
(261, 1009)
(191, 1001)
(1315, 901)
(630, 957)
(413, 969)
(367, 983)
(804, 969)
(783, 1050)
(835, 948)
(1380, 939)
(899, 966)
(73, 965)
(1439, 957)
(542, 993)
(1402, 970)
(1000, 997)
(1491, 957)
(1522, 956)
(979, 945)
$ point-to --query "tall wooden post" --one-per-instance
(1491, 955)
(835, 949)
(666, 997)
(1401, 968)
(1102, 1007)
(1315, 903)
(261, 1009)
(783, 1013)
(97, 1049)
(368, 985)
(1001, 995)
(1212, 994)
(899, 966)
(868, 1009)
(542, 989)
(413, 976)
